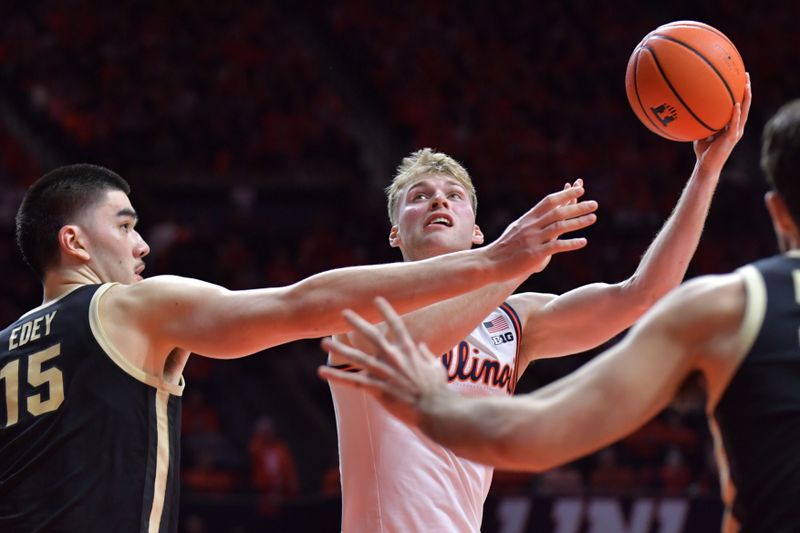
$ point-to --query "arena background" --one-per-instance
(257, 137)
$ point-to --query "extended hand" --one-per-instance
(402, 376)
(528, 243)
(712, 152)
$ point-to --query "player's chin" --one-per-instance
(434, 247)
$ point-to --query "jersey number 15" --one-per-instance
(51, 377)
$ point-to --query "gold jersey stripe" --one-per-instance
(754, 312)
(162, 460)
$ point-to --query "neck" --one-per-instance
(60, 280)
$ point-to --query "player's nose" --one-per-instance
(439, 199)
(142, 248)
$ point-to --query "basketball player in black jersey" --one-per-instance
(738, 332)
(91, 380)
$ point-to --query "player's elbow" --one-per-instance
(312, 308)
(637, 295)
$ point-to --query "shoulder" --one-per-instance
(527, 303)
(716, 293)
(705, 313)
(703, 297)
(719, 317)
(153, 302)
(158, 289)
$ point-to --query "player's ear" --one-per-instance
(72, 242)
(394, 237)
(477, 235)
(779, 211)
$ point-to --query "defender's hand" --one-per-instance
(402, 376)
(527, 245)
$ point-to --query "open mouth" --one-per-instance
(440, 221)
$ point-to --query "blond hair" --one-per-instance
(426, 161)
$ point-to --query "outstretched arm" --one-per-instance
(590, 315)
(207, 319)
(614, 394)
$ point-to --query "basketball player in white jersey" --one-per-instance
(394, 478)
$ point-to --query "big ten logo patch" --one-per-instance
(502, 339)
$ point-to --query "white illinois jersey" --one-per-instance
(395, 479)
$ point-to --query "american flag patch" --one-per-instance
(498, 324)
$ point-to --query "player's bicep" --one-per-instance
(578, 320)
(205, 318)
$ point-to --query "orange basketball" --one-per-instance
(684, 79)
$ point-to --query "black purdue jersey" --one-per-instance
(758, 415)
(87, 441)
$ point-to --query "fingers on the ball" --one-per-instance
(748, 99)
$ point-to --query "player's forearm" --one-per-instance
(531, 432)
(409, 286)
(443, 324)
(573, 323)
(498, 431)
(665, 262)
(596, 405)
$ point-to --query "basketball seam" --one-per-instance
(678, 96)
(701, 26)
(701, 56)
(639, 99)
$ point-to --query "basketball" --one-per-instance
(684, 79)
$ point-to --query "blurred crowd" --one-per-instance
(235, 123)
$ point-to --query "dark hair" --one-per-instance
(780, 155)
(55, 200)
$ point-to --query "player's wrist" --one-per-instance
(491, 261)
(433, 408)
